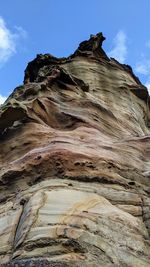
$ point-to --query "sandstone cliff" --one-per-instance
(74, 177)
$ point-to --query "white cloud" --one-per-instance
(119, 51)
(9, 41)
(2, 99)
(21, 32)
(143, 67)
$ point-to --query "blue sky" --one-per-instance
(29, 27)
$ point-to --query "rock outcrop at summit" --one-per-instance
(75, 169)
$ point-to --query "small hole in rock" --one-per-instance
(131, 183)
(38, 157)
(77, 163)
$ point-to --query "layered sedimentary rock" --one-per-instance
(75, 150)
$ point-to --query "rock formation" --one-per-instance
(75, 150)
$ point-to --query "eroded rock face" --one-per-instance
(75, 150)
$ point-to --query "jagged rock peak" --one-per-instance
(91, 48)
(94, 45)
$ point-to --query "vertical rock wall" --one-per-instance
(74, 157)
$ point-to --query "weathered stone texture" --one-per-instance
(75, 150)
